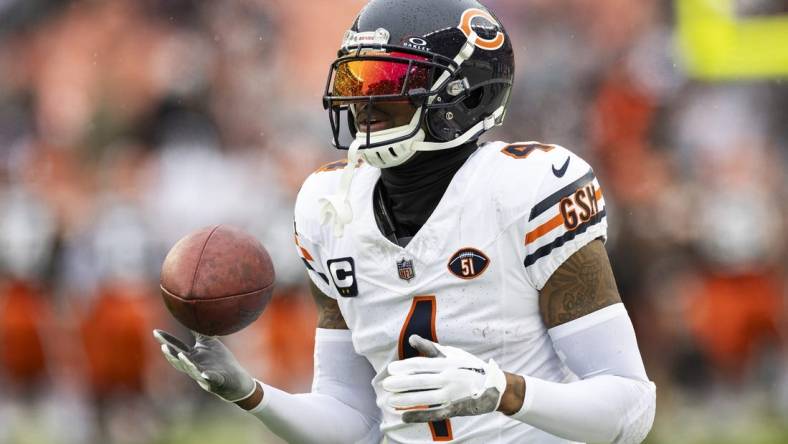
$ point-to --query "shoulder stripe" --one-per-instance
(311, 268)
(556, 197)
(545, 228)
(553, 223)
(304, 252)
(560, 241)
(306, 257)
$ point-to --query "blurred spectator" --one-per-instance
(24, 315)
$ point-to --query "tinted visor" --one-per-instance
(380, 74)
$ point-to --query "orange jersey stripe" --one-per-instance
(552, 224)
(545, 228)
(306, 254)
(303, 250)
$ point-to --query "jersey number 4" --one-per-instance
(421, 321)
(523, 150)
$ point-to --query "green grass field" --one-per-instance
(728, 422)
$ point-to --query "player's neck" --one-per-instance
(427, 164)
(414, 189)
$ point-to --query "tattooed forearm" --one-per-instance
(581, 285)
(328, 314)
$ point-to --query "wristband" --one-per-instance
(253, 400)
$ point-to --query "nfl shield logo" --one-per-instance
(405, 270)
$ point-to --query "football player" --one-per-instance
(464, 291)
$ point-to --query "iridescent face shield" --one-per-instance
(372, 75)
(395, 75)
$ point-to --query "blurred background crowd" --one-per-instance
(125, 124)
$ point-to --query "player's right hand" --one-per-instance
(209, 363)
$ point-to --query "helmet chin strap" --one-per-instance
(336, 208)
(489, 122)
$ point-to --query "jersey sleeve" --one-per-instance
(309, 231)
(308, 251)
(568, 212)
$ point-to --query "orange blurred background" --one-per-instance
(125, 124)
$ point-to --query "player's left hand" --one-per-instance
(447, 382)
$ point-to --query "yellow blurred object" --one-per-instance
(718, 45)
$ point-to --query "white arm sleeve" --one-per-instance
(341, 407)
(614, 402)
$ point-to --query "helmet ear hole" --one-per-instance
(474, 99)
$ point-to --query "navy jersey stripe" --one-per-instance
(556, 197)
(311, 268)
(561, 240)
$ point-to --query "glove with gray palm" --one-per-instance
(212, 365)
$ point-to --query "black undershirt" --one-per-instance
(406, 196)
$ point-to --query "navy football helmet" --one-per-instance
(451, 59)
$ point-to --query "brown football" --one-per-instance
(217, 280)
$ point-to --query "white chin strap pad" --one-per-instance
(335, 208)
(396, 153)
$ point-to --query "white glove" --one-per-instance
(209, 363)
(447, 382)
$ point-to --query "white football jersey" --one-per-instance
(470, 277)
